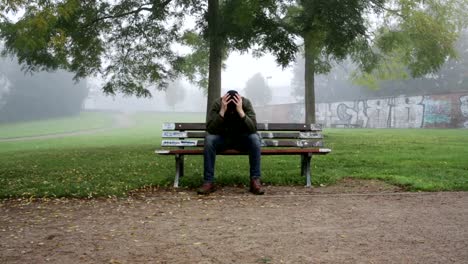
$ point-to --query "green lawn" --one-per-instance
(84, 121)
(117, 161)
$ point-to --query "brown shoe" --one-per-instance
(206, 188)
(256, 187)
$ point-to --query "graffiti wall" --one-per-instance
(430, 111)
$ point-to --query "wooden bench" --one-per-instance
(277, 139)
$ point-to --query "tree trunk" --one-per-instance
(309, 76)
(216, 52)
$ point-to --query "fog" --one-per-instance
(194, 100)
(26, 96)
(286, 86)
(43, 95)
(239, 68)
(5, 85)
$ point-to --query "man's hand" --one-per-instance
(224, 103)
(238, 101)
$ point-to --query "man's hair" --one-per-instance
(232, 93)
(232, 105)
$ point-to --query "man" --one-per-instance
(231, 125)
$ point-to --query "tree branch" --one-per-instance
(133, 12)
(3, 17)
(281, 23)
(136, 11)
(382, 6)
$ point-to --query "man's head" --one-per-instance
(231, 105)
(232, 93)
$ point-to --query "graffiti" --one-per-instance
(407, 112)
(321, 114)
(361, 117)
(434, 111)
(464, 109)
(332, 115)
(378, 112)
(437, 111)
(352, 113)
(394, 112)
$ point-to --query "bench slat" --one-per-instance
(299, 135)
(283, 135)
(265, 143)
(260, 126)
(319, 151)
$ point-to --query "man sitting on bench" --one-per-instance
(231, 125)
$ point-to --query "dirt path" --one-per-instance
(368, 223)
(121, 120)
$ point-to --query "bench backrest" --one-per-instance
(272, 135)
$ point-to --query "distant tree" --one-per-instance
(37, 96)
(419, 34)
(416, 39)
(257, 90)
(338, 84)
(175, 93)
(453, 75)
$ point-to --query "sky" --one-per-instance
(241, 67)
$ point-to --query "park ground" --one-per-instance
(353, 221)
(102, 196)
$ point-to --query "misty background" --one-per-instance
(26, 96)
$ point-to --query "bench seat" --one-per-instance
(297, 151)
(305, 140)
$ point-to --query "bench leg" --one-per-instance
(303, 164)
(308, 159)
(182, 171)
(179, 159)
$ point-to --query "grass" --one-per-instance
(84, 121)
(117, 161)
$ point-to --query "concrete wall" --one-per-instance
(429, 111)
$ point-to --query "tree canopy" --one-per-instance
(131, 42)
(135, 44)
(128, 42)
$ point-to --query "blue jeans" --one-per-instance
(216, 143)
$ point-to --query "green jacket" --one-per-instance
(231, 125)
